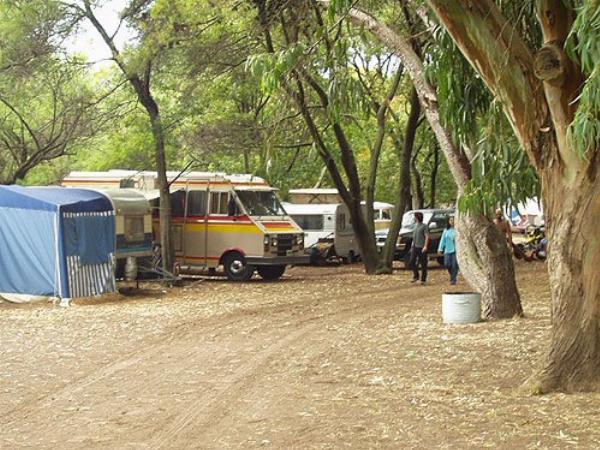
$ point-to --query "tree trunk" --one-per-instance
(486, 262)
(141, 85)
(167, 251)
(387, 257)
(573, 265)
(365, 237)
(434, 173)
(418, 197)
(570, 185)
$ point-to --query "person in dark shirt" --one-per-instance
(420, 243)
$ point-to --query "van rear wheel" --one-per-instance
(236, 267)
(270, 272)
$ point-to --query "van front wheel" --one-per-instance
(270, 272)
(236, 267)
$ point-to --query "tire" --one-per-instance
(236, 267)
(270, 272)
(352, 257)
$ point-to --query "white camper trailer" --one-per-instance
(330, 223)
(325, 225)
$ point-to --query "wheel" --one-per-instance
(440, 260)
(270, 272)
(352, 257)
(236, 268)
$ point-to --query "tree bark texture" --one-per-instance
(540, 111)
(503, 302)
(434, 173)
(486, 262)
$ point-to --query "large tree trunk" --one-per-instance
(486, 262)
(573, 215)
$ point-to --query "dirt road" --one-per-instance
(325, 358)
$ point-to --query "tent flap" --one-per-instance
(28, 262)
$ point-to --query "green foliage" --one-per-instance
(463, 96)
(273, 68)
(583, 46)
(502, 175)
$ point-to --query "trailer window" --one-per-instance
(197, 203)
(134, 228)
(312, 222)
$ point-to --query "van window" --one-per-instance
(312, 222)
(440, 219)
(385, 214)
(178, 204)
(219, 202)
(197, 203)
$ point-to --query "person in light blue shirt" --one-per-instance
(448, 248)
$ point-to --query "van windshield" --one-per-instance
(261, 203)
(408, 219)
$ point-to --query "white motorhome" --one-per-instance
(235, 221)
(331, 223)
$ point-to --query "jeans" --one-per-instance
(418, 257)
(451, 264)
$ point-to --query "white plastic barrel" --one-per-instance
(461, 307)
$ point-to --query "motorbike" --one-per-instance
(535, 245)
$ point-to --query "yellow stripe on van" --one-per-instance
(223, 228)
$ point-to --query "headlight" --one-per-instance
(274, 241)
(266, 239)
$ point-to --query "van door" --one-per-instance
(218, 240)
(177, 222)
(196, 227)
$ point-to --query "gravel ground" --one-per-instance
(324, 358)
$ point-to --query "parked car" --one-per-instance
(436, 220)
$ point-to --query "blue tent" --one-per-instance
(56, 242)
